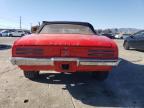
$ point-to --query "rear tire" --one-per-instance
(126, 46)
(100, 76)
(31, 74)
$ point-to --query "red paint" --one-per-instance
(66, 45)
(65, 40)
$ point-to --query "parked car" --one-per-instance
(109, 35)
(118, 36)
(4, 33)
(65, 47)
(27, 32)
(17, 33)
(124, 36)
(135, 41)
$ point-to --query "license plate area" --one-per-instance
(66, 66)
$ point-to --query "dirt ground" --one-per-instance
(123, 88)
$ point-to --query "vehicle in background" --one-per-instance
(27, 32)
(65, 46)
(124, 36)
(109, 35)
(135, 41)
(4, 33)
(118, 36)
(17, 33)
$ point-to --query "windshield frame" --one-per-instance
(67, 22)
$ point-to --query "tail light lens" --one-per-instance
(106, 54)
(57, 51)
(28, 51)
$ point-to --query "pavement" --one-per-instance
(123, 88)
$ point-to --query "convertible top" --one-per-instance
(67, 22)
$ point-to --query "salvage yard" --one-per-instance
(123, 88)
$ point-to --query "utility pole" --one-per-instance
(20, 23)
(30, 26)
(38, 23)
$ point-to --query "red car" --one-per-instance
(65, 47)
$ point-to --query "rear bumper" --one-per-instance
(51, 61)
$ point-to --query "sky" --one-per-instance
(101, 14)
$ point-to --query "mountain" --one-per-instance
(125, 30)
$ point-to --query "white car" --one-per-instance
(118, 36)
(4, 33)
(17, 33)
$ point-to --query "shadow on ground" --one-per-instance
(138, 50)
(4, 47)
(123, 88)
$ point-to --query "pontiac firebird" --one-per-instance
(65, 46)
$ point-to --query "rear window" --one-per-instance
(66, 29)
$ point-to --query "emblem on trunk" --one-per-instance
(64, 51)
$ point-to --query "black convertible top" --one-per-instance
(66, 22)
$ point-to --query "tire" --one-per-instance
(31, 74)
(126, 46)
(10, 35)
(100, 76)
(22, 35)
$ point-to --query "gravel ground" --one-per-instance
(123, 88)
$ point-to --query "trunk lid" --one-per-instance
(64, 40)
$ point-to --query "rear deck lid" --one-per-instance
(65, 40)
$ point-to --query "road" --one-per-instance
(123, 88)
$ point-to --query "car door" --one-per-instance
(19, 33)
(14, 33)
(140, 41)
(5, 33)
(137, 40)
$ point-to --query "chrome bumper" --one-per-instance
(50, 61)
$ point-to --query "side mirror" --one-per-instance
(34, 29)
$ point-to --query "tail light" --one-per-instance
(107, 53)
(60, 51)
(29, 51)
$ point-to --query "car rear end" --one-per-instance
(71, 49)
(65, 58)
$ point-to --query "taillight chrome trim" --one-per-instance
(50, 61)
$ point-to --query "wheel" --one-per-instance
(10, 35)
(31, 74)
(126, 46)
(22, 35)
(100, 76)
